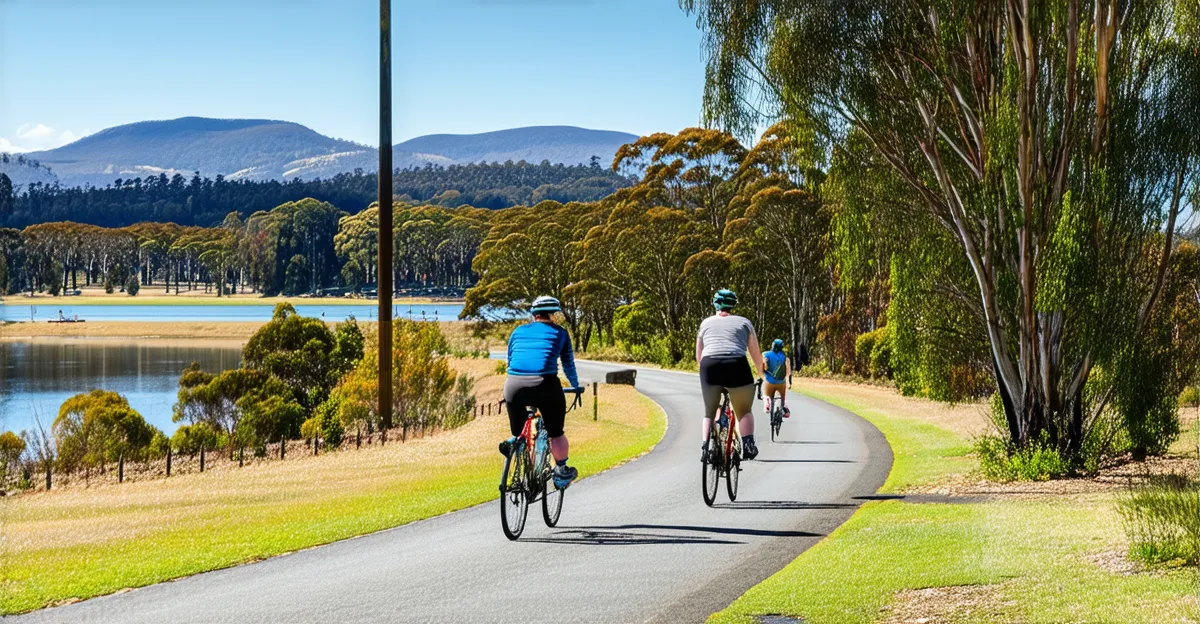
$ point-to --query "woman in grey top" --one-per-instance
(721, 346)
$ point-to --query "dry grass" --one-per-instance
(967, 420)
(82, 542)
(174, 331)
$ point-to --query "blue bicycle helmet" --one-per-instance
(725, 299)
(777, 345)
(545, 305)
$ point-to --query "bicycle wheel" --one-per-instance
(552, 501)
(710, 478)
(514, 500)
(776, 422)
(735, 466)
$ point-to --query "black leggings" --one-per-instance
(544, 392)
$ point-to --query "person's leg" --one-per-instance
(554, 415)
(516, 395)
(712, 401)
(742, 400)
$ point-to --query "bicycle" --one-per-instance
(724, 457)
(776, 413)
(528, 476)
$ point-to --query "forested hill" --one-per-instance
(557, 144)
(260, 149)
(23, 171)
(196, 200)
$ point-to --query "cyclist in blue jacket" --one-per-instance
(534, 350)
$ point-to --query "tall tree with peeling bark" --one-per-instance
(1051, 140)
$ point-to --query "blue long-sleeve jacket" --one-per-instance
(535, 348)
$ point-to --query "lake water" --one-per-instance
(37, 376)
(366, 312)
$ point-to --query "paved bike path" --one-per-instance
(635, 544)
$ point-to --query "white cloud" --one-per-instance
(30, 131)
(10, 147)
(35, 137)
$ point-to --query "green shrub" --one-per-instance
(1001, 461)
(328, 415)
(1190, 397)
(501, 367)
(132, 286)
(863, 346)
(1162, 518)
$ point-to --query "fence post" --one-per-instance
(168, 460)
(121, 468)
(241, 456)
(201, 458)
(358, 439)
(316, 446)
(47, 476)
(282, 445)
(595, 401)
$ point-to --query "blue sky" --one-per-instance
(72, 67)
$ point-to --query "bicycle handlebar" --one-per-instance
(578, 400)
(758, 387)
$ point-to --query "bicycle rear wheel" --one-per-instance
(552, 501)
(776, 422)
(735, 466)
(514, 499)
(710, 478)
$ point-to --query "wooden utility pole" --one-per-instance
(385, 214)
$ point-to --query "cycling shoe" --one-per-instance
(563, 476)
(749, 450)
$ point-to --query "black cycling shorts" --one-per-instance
(726, 372)
(543, 392)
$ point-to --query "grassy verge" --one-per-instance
(73, 544)
(1050, 558)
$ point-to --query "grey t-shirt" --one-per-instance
(725, 336)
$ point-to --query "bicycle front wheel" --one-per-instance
(710, 478)
(514, 499)
(552, 500)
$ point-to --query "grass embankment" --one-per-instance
(79, 543)
(1030, 555)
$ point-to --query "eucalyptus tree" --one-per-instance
(1052, 141)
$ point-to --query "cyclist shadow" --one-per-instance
(772, 504)
(804, 442)
(632, 534)
(596, 537)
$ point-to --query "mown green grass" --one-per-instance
(77, 544)
(1035, 551)
(146, 299)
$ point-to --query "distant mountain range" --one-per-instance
(260, 149)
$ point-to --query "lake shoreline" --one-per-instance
(205, 333)
(209, 300)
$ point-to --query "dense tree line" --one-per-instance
(295, 248)
(1022, 169)
(201, 201)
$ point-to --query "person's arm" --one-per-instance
(508, 359)
(756, 353)
(568, 361)
(699, 346)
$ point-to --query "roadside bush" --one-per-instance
(1190, 397)
(189, 439)
(873, 353)
(132, 286)
(501, 368)
(330, 422)
(1001, 461)
(462, 403)
(1162, 519)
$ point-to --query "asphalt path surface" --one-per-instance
(634, 544)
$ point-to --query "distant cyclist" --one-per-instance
(721, 346)
(534, 350)
(777, 373)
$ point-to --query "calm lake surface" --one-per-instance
(37, 376)
(365, 312)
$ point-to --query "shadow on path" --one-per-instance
(704, 529)
(591, 537)
(806, 461)
(782, 505)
